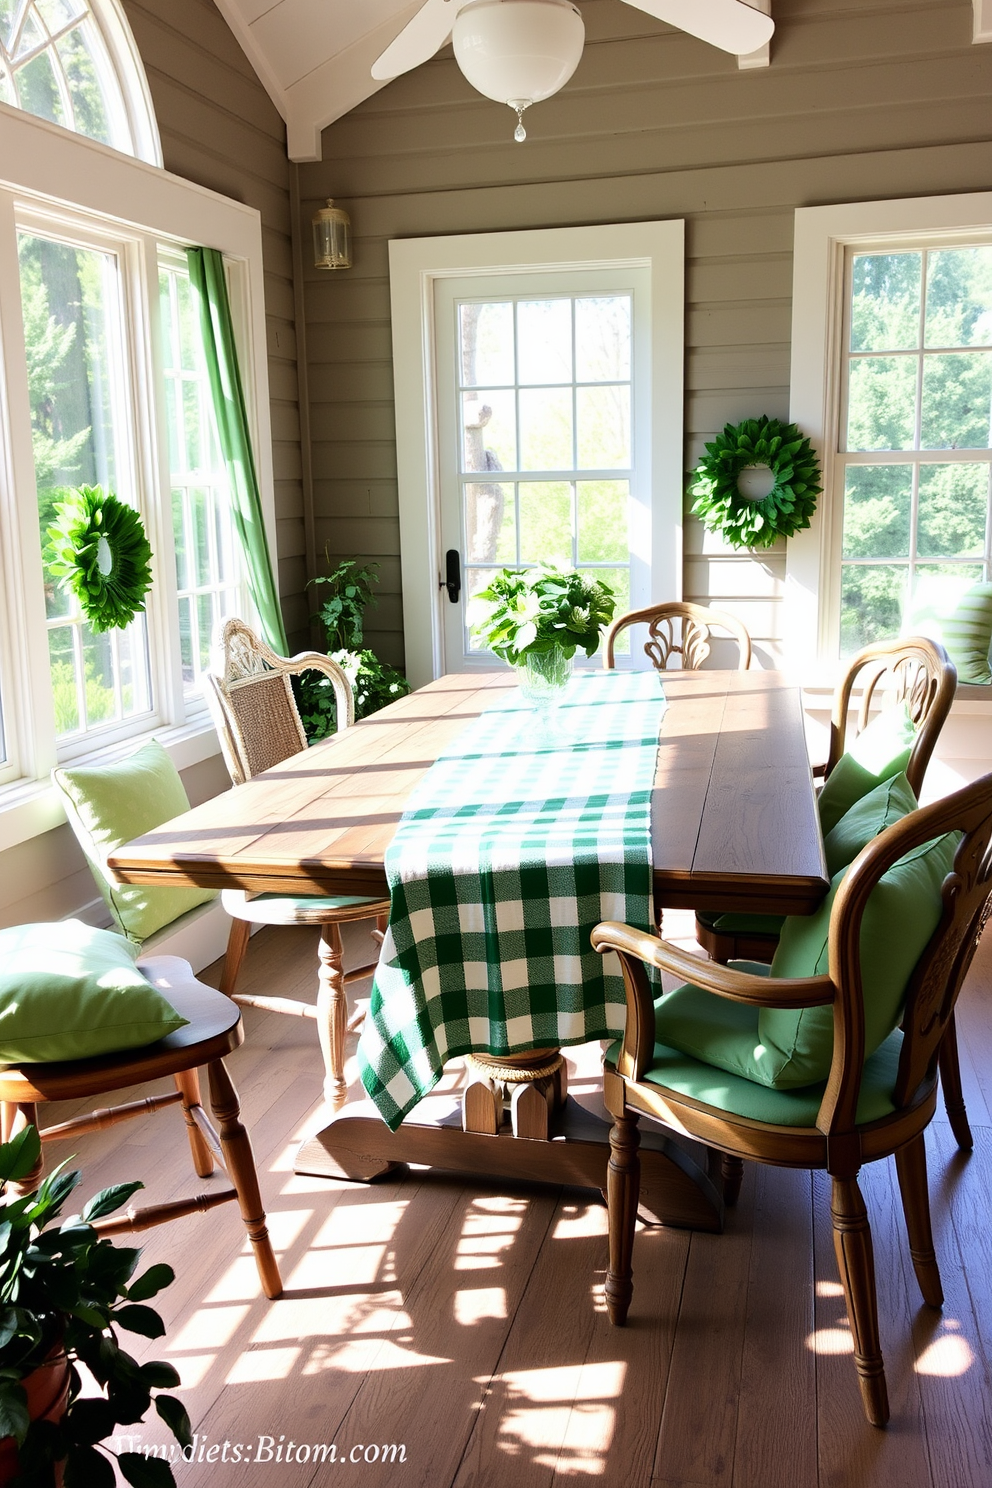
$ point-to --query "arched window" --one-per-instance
(75, 62)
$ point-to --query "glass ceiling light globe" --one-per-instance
(518, 51)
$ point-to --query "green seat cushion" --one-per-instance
(856, 828)
(736, 1024)
(962, 622)
(70, 992)
(881, 750)
(109, 804)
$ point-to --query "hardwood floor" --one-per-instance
(438, 1333)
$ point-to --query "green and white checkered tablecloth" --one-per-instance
(519, 839)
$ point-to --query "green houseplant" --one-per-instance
(342, 614)
(64, 1293)
(537, 618)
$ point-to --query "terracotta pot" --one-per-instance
(48, 1394)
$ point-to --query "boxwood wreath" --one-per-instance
(743, 521)
(99, 552)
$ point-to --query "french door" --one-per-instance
(543, 435)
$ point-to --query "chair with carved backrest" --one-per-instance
(912, 670)
(250, 692)
(678, 628)
(865, 1109)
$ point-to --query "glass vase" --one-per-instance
(543, 677)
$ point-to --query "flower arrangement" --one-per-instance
(532, 611)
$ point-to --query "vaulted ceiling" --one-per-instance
(314, 56)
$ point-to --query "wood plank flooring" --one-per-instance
(441, 1335)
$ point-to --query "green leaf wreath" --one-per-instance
(743, 521)
(99, 552)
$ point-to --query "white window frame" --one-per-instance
(49, 170)
(415, 267)
(823, 236)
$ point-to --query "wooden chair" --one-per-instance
(251, 698)
(678, 628)
(918, 672)
(835, 1140)
(213, 1031)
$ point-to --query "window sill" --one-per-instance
(30, 807)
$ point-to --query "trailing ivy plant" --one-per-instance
(64, 1285)
(342, 614)
(530, 611)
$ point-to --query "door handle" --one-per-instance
(452, 580)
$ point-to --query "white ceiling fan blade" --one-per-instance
(729, 24)
(419, 39)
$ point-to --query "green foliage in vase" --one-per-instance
(529, 611)
(375, 683)
(64, 1285)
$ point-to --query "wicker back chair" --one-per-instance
(678, 628)
(251, 699)
(899, 1087)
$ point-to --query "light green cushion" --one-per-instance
(783, 1048)
(743, 1097)
(68, 991)
(880, 751)
(110, 804)
(900, 917)
(962, 622)
(856, 828)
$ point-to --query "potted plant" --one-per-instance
(537, 618)
(342, 614)
(64, 1292)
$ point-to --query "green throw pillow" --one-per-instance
(962, 622)
(880, 751)
(110, 804)
(68, 991)
(794, 1047)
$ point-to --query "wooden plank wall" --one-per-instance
(865, 99)
(220, 128)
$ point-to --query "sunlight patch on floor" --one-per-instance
(479, 1304)
(829, 1289)
(209, 1327)
(562, 1417)
(946, 1357)
(831, 1341)
(590, 1219)
(263, 1364)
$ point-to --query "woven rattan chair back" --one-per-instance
(913, 670)
(250, 692)
(680, 629)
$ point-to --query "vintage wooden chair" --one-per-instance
(251, 698)
(864, 1110)
(213, 1030)
(678, 628)
(913, 670)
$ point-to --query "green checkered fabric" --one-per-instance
(520, 839)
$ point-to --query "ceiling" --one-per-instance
(315, 56)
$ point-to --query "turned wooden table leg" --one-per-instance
(332, 1013)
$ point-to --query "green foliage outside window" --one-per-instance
(920, 379)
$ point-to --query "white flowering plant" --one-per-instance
(531, 611)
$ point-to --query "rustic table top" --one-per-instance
(734, 821)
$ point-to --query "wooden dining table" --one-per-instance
(734, 827)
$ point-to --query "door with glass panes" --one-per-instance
(543, 435)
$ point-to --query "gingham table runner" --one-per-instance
(519, 839)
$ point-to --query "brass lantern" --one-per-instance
(331, 238)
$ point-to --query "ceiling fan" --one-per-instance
(520, 51)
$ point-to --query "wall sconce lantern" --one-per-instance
(331, 238)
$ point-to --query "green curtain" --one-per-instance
(206, 272)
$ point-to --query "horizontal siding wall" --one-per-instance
(220, 128)
(863, 100)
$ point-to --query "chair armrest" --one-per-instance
(820, 771)
(724, 981)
